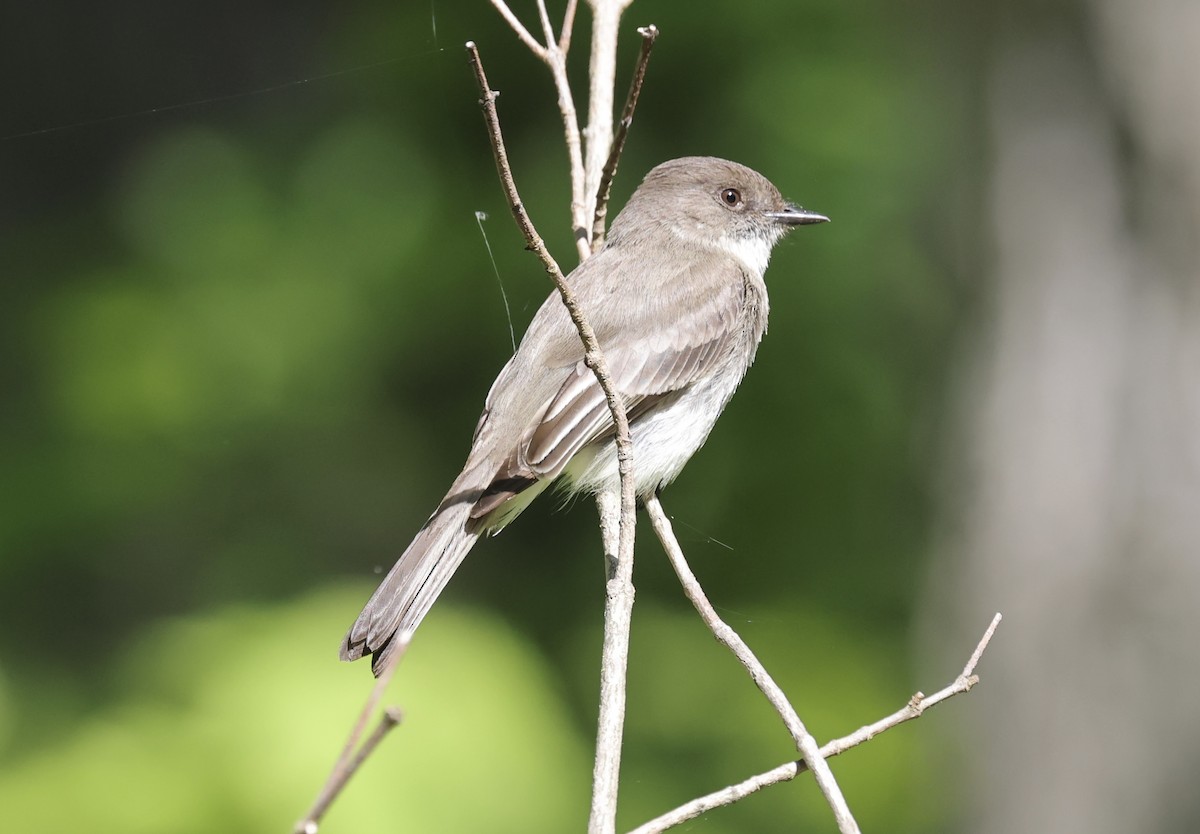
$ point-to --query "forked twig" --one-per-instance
(619, 591)
(353, 756)
(805, 743)
(915, 708)
(649, 35)
(554, 56)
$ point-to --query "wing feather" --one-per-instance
(642, 369)
(648, 363)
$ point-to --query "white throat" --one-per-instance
(754, 251)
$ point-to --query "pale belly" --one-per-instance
(664, 439)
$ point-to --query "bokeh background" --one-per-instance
(248, 318)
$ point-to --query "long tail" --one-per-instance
(413, 584)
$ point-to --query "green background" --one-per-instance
(247, 327)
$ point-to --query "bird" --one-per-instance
(676, 297)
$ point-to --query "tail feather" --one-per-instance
(413, 584)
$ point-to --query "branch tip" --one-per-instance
(915, 708)
(609, 171)
(969, 669)
(813, 756)
(352, 755)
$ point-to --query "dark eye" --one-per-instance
(731, 197)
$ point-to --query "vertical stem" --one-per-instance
(617, 509)
(618, 611)
(602, 72)
(619, 593)
(556, 59)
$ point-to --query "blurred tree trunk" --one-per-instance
(1079, 452)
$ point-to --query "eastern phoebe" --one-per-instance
(677, 300)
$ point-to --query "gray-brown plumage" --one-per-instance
(677, 300)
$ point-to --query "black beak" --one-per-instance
(793, 215)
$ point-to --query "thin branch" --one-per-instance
(649, 35)
(805, 743)
(519, 28)
(969, 669)
(616, 527)
(619, 590)
(602, 71)
(349, 761)
(554, 56)
(544, 16)
(564, 37)
(915, 708)
(557, 61)
(533, 241)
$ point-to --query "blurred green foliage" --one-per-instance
(222, 732)
(246, 343)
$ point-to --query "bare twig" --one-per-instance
(616, 526)
(557, 61)
(533, 241)
(544, 16)
(564, 37)
(973, 661)
(915, 708)
(619, 589)
(554, 56)
(519, 28)
(649, 35)
(350, 761)
(602, 72)
(805, 743)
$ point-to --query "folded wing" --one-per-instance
(645, 369)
